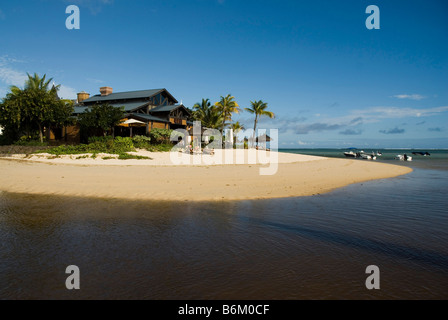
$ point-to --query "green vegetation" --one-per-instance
(164, 147)
(236, 127)
(28, 114)
(29, 142)
(120, 146)
(97, 145)
(209, 115)
(159, 136)
(127, 156)
(141, 142)
(259, 109)
(218, 116)
(36, 108)
(103, 117)
(226, 106)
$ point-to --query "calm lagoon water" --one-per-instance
(300, 248)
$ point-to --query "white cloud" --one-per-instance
(352, 121)
(409, 96)
(303, 143)
(377, 113)
(10, 76)
(3, 93)
(67, 92)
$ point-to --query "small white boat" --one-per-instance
(404, 157)
(350, 154)
(368, 156)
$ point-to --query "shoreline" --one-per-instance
(297, 175)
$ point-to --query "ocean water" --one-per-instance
(387, 154)
(299, 248)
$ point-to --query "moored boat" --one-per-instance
(350, 154)
(368, 156)
(403, 157)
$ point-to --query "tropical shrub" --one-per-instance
(163, 147)
(141, 142)
(98, 145)
(102, 139)
(160, 135)
(102, 117)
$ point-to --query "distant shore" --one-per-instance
(159, 179)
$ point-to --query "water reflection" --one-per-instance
(313, 247)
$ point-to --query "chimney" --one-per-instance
(105, 91)
(83, 96)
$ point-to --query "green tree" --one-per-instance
(236, 127)
(227, 106)
(209, 115)
(101, 116)
(63, 115)
(200, 109)
(35, 107)
(41, 102)
(10, 116)
(213, 118)
(259, 109)
(160, 136)
(10, 110)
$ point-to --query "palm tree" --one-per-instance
(209, 115)
(11, 116)
(36, 83)
(259, 109)
(200, 109)
(213, 118)
(236, 127)
(35, 107)
(227, 105)
(41, 100)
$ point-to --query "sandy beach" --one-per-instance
(160, 179)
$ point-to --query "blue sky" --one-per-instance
(330, 81)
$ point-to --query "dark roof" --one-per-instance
(128, 106)
(146, 117)
(166, 108)
(128, 95)
(79, 109)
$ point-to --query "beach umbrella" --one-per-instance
(133, 121)
(264, 138)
